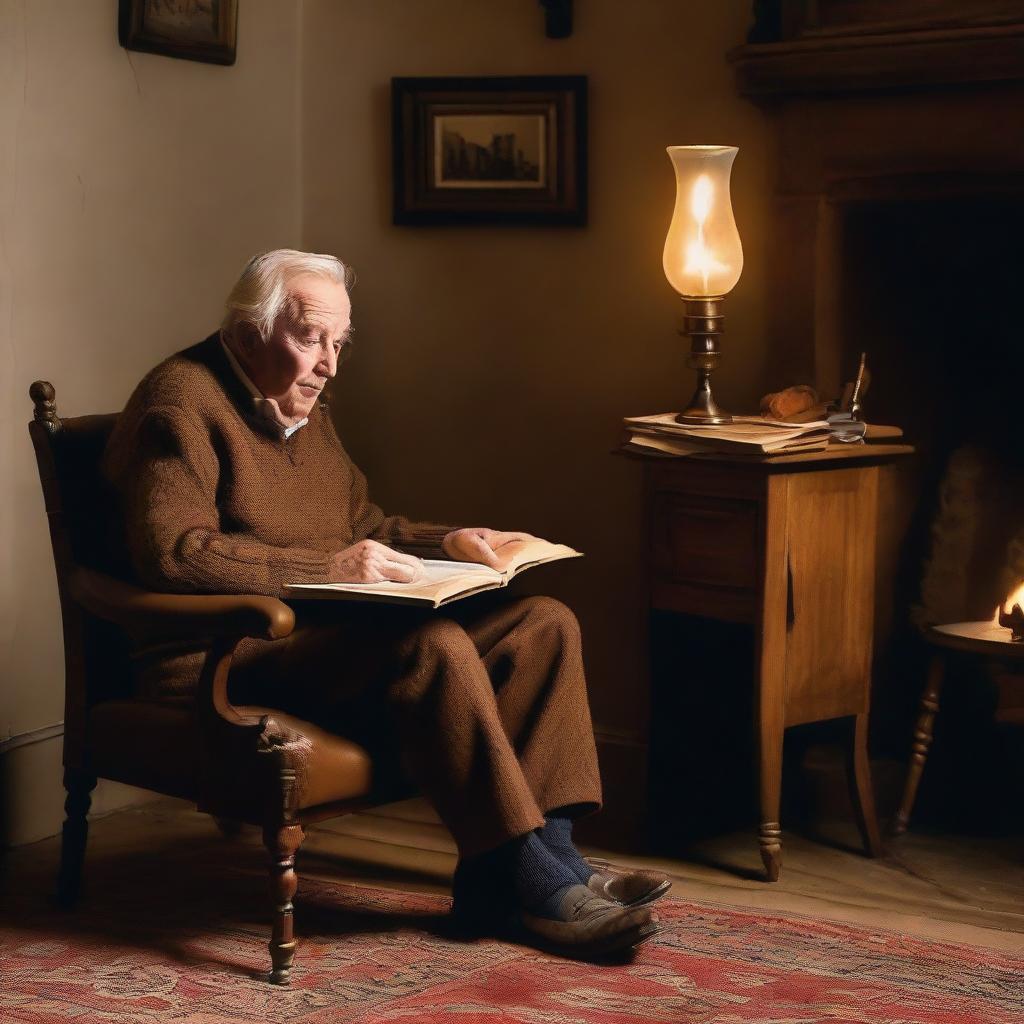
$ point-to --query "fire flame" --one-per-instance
(1015, 597)
(701, 197)
(699, 258)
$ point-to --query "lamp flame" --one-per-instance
(699, 258)
(700, 199)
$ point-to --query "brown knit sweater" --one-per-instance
(215, 501)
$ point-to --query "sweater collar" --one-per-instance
(264, 407)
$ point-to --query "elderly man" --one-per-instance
(233, 480)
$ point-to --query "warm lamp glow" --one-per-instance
(703, 256)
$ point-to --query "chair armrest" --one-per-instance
(221, 619)
(145, 614)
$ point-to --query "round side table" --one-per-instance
(986, 638)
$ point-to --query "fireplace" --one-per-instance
(900, 208)
(930, 288)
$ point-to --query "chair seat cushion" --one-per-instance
(153, 744)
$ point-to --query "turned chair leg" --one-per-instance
(922, 741)
(282, 844)
(862, 796)
(79, 787)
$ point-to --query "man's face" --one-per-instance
(301, 355)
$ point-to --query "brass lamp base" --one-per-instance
(703, 323)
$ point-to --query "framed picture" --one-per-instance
(490, 150)
(193, 29)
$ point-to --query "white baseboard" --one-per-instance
(24, 739)
(32, 787)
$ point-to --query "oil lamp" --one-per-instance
(703, 260)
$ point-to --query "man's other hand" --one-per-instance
(479, 544)
(372, 562)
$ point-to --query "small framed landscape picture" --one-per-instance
(201, 30)
(490, 150)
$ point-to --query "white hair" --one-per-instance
(262, 290)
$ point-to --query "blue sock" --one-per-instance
(540, 878)
(557, 837)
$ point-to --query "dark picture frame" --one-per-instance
(203, 30)
(493, 150)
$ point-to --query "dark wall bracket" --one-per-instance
(557, 18)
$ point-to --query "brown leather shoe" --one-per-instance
(630, 888)
(588, 926)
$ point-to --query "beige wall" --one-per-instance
(132, 188)
(493, 365)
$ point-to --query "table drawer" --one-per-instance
(705, 541)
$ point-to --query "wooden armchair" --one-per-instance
(250, 764)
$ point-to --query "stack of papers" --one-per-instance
(745, 435)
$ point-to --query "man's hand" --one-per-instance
(372, 562)
(478, 544)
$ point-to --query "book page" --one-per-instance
(518, 555)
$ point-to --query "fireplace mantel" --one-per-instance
(844, 60)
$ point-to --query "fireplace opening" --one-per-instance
(932, 291)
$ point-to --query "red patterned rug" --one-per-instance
(152, 944)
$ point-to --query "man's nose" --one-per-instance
(328, 365)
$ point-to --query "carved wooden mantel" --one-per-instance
(867, 56)
(874, 101)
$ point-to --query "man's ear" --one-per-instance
(246, 338)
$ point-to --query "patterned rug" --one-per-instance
(155, 945)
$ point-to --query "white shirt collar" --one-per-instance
(263, 406)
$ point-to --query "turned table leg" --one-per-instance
(771, 658)
(862, 796)
(282, 844)
(922, 741)
(770, 830)
(771, 731)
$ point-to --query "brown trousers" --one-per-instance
(484, 703)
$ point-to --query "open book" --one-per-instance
(444, 581)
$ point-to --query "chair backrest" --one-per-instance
(82, 515)
(79, 502)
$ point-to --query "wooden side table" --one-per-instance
(986, 639)
(787, 544)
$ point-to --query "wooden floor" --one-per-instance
(944, 887)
